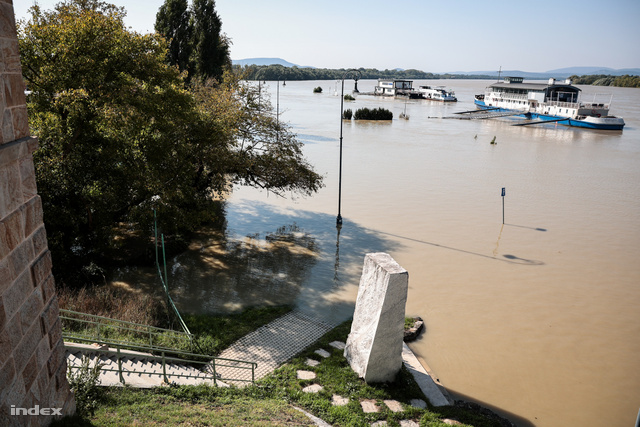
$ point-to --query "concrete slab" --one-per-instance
(436, 396)
(374, 345)
(313, 388)
(306, 375)
(311, 362)
(393, 405)
(322, 352)
(337, 400)
(418, 403)
(369, 406)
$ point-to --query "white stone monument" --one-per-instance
(374, 346)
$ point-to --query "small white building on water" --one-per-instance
(395, 87)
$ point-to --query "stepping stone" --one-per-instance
(323, 353)
(337, 400)
(311, 362)
(394, 405)
(369, 406)
(313, 388)
(379, 424)
(306, 375)
(409, 423)
(337, 344)
(451, 422)
(418, 403)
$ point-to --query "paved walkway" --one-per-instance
(271, 345)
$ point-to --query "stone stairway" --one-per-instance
(140, 370)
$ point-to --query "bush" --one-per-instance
(347, 114)
(115, 303)
(348, 97)
(374, 114)
(85, 384)
(317, 90)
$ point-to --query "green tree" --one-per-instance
(195, 36)
(120, 134)
(173, 22)
(210, 47)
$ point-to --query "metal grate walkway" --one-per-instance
(273, 344)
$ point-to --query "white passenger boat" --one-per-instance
(548, 102)
(438, 93)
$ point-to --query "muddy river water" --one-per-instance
(538, 318)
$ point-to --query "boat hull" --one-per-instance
(588, 122)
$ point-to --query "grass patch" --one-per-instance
(189, 406)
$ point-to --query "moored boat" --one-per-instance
(438, 93)
(395, 87)
(552, 101)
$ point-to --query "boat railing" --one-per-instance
(561, 104)
(595, 105)
(514, 96)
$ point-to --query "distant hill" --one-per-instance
(558, 74)
(588, 71)
(265, 61)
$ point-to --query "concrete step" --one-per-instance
(137, 370)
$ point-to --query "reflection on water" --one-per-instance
(537, 317)
(218, 274)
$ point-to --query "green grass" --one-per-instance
(213, 333)
(188, 406)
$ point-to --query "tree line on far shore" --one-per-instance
(280, 72)
(607, 80)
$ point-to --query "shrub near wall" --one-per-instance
(373, 114)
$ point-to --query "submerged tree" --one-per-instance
(120, 134)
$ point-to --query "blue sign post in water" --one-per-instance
(503, 194)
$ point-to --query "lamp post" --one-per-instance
(278, 108)
(278, 104)
(357, 74)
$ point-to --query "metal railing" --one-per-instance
(88, 328)
(208, 369)
(99, 329)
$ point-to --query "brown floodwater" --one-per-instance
(537, 318)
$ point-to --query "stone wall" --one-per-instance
(32, 355)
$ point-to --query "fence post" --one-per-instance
(164, 369)
(215, 377)
(120, 366)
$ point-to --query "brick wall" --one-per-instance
(32, 355)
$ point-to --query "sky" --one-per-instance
(429, 35)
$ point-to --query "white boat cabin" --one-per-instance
(393, 87)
